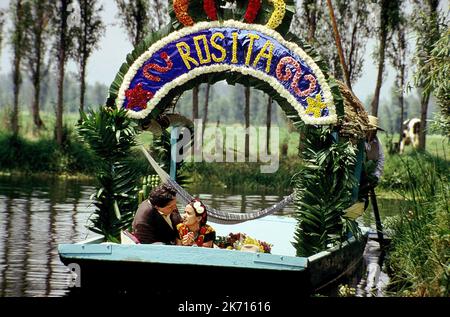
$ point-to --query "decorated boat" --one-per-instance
(99, 266)
(207, 42)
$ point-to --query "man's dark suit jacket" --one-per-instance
(149, 226)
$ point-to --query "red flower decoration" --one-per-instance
(209, 6)
(283, 65)
(138, 97)
(158, 68)
(252, 10)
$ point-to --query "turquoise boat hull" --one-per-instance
(165, 269)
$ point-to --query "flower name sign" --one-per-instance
(228, 46)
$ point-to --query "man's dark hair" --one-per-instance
(162, 195)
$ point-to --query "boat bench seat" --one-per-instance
(128, 238)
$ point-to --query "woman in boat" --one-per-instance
(194, 231)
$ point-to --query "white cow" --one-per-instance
(411, 128)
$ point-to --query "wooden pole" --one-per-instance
(373, 199)
(339, 45)
(173, 153)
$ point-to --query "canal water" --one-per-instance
(38, 214)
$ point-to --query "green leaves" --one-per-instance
(433, 72)
(111, 135)
(322, 191)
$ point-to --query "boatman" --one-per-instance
(157, 217)
(374, 164)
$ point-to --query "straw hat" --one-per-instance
(373, 123)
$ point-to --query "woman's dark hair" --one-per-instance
(162, 195)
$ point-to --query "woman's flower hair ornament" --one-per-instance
(200, 210)
(198, 207)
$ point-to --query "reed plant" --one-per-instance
(395, 175)
(419, 257)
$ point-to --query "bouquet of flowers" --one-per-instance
(236, 241)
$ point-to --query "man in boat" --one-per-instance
(157, 217)
(374, 165)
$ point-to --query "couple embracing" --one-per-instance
(157, 220)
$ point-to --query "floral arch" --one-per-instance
(187, 53)
(248, 43)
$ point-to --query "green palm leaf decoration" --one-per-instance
(111, 136)
(322, 190)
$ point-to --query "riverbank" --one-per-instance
(44, 158)
(48, 176)
(21, 155)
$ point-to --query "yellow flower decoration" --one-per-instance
(279, 10)
(315, 106)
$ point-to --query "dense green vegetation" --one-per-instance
(39, 153)
(22, 155)
(419, 257)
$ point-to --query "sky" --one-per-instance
(114, 46)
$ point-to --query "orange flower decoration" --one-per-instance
(180, 7)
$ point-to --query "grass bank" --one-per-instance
(246, 177)
(21, 155)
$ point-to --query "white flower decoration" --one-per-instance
(197, 204)
(200, 210)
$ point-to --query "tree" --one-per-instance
(427, 29)
(37, 35)
(195, 113)
(159, 14)
(268, 122)
(135, 17)
(87, 35)
(437, 68)
(64, 44)
(2, 24)
(397, 52)
(352, 18)
(206, 106)
(19, 43)
(389, 19)
(247, 121)
(310, 12)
